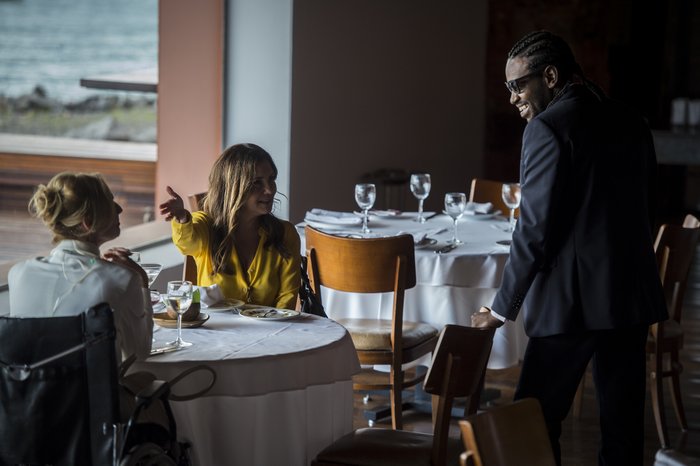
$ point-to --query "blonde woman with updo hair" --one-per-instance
(235, 240)
(80, 211)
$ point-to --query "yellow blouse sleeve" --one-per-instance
(192, 238)
(290, 275)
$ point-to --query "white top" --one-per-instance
(72, 279)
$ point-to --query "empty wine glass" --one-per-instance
(455, 203)
(365, 195)
(179, 299)
(152, 272)
(510, 192)
(420, 187)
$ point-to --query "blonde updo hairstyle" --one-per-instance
(74, 205)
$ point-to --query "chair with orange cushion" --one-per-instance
(458, 365)
(374, 265)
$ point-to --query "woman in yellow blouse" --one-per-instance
(235, 240)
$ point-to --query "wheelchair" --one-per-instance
(59, 397)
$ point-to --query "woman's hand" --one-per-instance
(121, 256)
(174, 208)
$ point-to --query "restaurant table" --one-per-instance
(283, 390)
(450, 287)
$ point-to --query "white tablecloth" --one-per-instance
(450, 287)
(283, 390)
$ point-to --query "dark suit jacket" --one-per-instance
(582, 254)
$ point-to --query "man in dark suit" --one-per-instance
(581, 263)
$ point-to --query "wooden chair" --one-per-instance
(506, 435)
(374, 265)
(189, 268)
(458, 365)
(490, 191)
(675, 248)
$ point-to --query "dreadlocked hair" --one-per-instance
(230, 182)
(542, 48)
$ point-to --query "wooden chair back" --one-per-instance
(458, 366)
(490, 191)
(360, 265)
(506, 435)
(675, 249)
(196, 201)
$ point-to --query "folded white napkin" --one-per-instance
(419, 236)
(474, 208)
(209, 295)
(331, 216)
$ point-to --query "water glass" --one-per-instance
(420, 187)
(455, 203)
(365, 195)
(510, 193)
(179, 299)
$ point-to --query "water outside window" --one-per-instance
(46, 47)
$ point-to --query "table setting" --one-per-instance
(460, 254)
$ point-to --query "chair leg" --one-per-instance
(676, 369)
(657, 402)
(396, 400)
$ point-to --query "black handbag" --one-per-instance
(310, 303)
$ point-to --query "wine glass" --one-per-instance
(420, 187)
(179, 298)
(510, 192)
(365, 195)
(455, 203)
(152, 272)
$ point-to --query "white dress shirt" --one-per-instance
(72, 279)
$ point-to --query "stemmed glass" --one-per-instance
(365, 195)
(510, 192)
(455, 203)
(420, 187)
(180, 299)
(152, 272)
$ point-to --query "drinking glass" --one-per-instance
(152, 272)
(420, 187)
(455, 203)
(179, 298)
(510, 192)
(365, 195)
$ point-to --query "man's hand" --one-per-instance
(484, 319)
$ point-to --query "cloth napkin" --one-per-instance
(331, 216)
(209, 295)
(474, 208)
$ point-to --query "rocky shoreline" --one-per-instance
(106, 117)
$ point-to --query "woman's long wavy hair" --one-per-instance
(70, 202)
(230, 182)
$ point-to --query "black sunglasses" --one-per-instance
(515, 85)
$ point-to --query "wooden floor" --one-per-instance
(579, 439)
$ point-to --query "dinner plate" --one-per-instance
(480, 216)
(332, 226)
(164, 320)
(265, 313)
(225, 305)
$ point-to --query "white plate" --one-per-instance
(225, 305)
(164, 320)
(480, 216)
(265, 313)
(332, 226)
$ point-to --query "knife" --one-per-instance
(445, 249)
(165, 349)
(432, 215)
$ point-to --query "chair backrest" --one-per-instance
(675, 249)
(490, 191)
(690, 221)
(459, 364)
(55, 415)
(506, 435)
(196, 201)
(360, 265)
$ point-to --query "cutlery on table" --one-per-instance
(164, 349)
(432, 215)
(445, 249)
